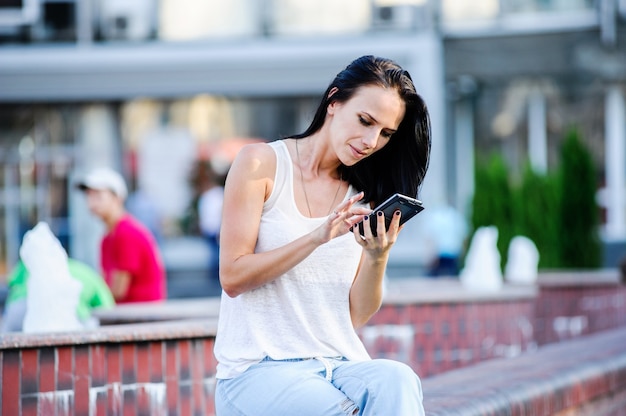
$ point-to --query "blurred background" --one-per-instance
(154, 88)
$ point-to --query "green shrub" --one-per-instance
(578, 217)
(535, 211)
(492, 203)
(556, 211)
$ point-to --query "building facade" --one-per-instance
(150, 86)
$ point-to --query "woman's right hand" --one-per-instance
(342, 219)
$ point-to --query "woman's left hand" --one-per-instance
(367, 289)
(378, 245)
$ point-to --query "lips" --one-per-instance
(357, 153)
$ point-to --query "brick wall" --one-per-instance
(169, 368)
(566, 312)
(133, 378)
(112, 377)
(433, 338)
(439, 335)
(583, 377)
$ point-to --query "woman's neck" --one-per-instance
(318, 157)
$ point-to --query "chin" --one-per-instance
(349, 162)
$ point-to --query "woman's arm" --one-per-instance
(249, 184)
(366, 294)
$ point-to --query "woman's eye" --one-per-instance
(386, 134)
(364, 122)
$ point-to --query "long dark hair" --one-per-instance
(400, 166)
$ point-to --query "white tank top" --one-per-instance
(304, 313)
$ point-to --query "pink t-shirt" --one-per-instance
(130, 247)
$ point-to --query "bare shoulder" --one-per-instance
(250, 180)
(256, 158)
(253, 170)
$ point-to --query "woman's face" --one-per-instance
(365, 123)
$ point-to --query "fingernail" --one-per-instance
(397, 212)
(365, 218)
(380, 213)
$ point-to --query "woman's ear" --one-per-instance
(330, 109)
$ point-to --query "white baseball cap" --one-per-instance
(104, 179)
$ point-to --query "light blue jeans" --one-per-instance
(321, 387)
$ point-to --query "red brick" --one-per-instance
(197, 365)
(185, 399)
(114, 398)
(386, 315)
(210, 362)
(211, 343)
(65, 368)
(156, 362)
(101, 403)
(10, 382)
(82, 362)
(130, 402)
(29, 406)
(198, 398)
(172, 397)
(113, 363)
(98, 366)
(197, 360)
(210, 405)
(408, 315)
(81, 396)
(428, 312)
(47, 371)
(129, 363)
(399, 315)
(30, 371)
(171, 360)
(143, 402)
(184, 358)
(143, 362)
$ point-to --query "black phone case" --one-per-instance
(409, 207)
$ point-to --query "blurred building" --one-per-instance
(148, 86)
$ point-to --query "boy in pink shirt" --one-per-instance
(129, 256)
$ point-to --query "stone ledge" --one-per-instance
(418, 291)
(155, 331)
(579, 278)
(172, 309)
(400, 291)
(413, 291)
(558, 377)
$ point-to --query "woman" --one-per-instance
(297, 281)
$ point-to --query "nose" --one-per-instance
(371, 139)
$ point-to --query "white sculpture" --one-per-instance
(52, 294)
(482, 263)
(523, 261)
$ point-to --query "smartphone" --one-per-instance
(409, 207)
